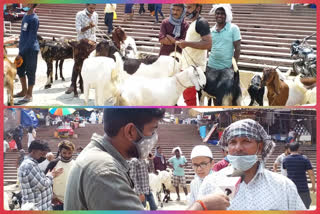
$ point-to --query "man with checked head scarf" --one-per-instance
(249, 146)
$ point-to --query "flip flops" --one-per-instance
(24, 101)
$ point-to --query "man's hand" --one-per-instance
(216, 201)
(171, 39)
(181, 165)
(142, 197)
(18, 57)
(313, 189)
(55, 173)
(182, 44)
(91, 25)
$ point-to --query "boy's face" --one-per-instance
(202, 166)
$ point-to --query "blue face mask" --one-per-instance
(26, 9)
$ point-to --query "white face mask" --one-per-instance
(145, 144)
(243, 162)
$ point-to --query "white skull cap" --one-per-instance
(201, 151)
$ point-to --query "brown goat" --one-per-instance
(10, 72)
(118, 36)
(81, 51)
(278, 90)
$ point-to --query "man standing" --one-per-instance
(140, 177)
(279, 161)
(226, 41)
(102, 166)
(64, 161)
(178, 163)
(297, 165)
(36, 187)
(28, 52)
(173, 29)
(195, 46)
(260, 189)
(109, 11)
(159, 160)
(86, 25)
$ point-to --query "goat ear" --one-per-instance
(276, 83)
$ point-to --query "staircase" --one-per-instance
(267, 29)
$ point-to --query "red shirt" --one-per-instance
(220, 165)
(166, 28)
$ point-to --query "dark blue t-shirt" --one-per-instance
(28, 35)
(296, 166)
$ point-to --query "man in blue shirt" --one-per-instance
(28, 52)
(178, 163)
(226, 41)
(297, 165)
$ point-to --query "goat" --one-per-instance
(256, 90)
(81, 51)
(222, 87)
(281, 93)
(161, 182)
(163, 66)
(97, 74)
(6, 205)
(143, 91)
(16, 200)
(54, 50)
(126, 44)
(10, 72)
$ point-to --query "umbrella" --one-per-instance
(61, 111)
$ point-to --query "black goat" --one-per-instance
(221, 86)
(256, 90)
(16, 199)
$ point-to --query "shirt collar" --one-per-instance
(223, 29)
(260, 171)
(105, 143)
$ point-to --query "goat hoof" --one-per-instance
(63, 79)
(47, 86)
(76, 95)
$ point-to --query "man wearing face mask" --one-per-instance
(64, 160)
(173, 29)
(249, 146)
(195, 46)
(36, 187)
(86, 26)
(99, 178)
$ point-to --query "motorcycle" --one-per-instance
(305, 59)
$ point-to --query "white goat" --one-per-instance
(128, 48)
(156, 181)
(6, 201)
(141, 91)
(97, 73)
(165, 66)
(297, 92)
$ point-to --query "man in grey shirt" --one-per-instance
(99, 178)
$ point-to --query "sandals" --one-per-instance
(24, 101)
(18, 95)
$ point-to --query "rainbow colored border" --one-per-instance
(2, 106)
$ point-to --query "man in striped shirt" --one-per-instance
(36, 187)
(140, 177)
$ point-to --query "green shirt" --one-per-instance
(222, 49)
(178, 171)
(99, 180)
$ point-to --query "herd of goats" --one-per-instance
(122, 76)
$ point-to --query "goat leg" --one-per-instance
(56, 77)
(81, 83)
(251, 103)
(60, 67)
(49, 74)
